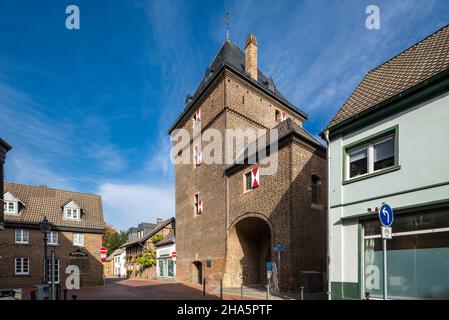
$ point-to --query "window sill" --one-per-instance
(371, 175)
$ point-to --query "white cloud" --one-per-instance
(126, 205)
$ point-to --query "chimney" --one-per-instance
(251, 56)
(159, 220)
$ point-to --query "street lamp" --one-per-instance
(45, 227)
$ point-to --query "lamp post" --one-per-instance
(45, 226)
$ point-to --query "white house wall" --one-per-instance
(423, 158)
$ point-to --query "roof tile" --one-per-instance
(413, 66)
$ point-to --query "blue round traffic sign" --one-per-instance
(386, 215)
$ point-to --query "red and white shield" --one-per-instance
(198, 115)
(283, 116)
(255, 178)
(200, 207)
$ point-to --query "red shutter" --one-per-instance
(200, 207)
(283, 116)
(198, 115)
(255, 178)
(198, 157)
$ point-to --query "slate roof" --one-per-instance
(406, 70)
(41, 201)
(5, 145)
(143, 239)
(284, 128)
(232, 57)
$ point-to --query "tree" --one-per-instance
(157, 238)
(113, 240)
(147, 258)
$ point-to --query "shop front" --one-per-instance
(166, 261)
(417, 256)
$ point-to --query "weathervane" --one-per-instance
(226, 19)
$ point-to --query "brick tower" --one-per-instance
(228, 217)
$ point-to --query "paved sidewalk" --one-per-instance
(136, 289)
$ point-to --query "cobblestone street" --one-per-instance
(125, 289)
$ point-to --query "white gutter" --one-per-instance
(328, 238)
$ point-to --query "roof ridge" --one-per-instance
(50, 188)
(408, 49)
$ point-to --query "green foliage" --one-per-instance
(157, 238)
(147, 258)
(112, 239)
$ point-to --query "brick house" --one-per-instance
(226, 223)
(136, 245)
(4, 148)
(76, 233)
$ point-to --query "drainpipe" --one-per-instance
(328, 240)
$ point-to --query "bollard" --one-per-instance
(268, 291)
(74, 296)
(204, 287)
(241, 292)
(302, 293)
(221, 289)
(65, 294)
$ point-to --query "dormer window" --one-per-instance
(10, 207)
(72, 211)
(11, 204)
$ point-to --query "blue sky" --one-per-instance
(88, 110)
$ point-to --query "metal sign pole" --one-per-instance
(386, 217)
(385, 268)
(53, 271)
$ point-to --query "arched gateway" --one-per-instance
(249, 249)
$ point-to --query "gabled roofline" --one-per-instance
(5, 145)
(70, 200)
(292, 134)
(149, 235)
(247, 79)
(8, 191)
(420, 92)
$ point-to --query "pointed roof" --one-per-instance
(230, 56)
(421, 62)
(4, 145)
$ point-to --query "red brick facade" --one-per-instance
(90, 267)
(232, 239)
(33, 204)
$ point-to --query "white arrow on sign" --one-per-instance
(386, 214)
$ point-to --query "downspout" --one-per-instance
(328, 238)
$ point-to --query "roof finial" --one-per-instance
(226, 19)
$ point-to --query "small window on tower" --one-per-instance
(315, 181)
(277, 116)
(248, 181)
(196, 204)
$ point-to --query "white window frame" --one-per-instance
(75, 213)
(370, 156)
(50, 238)
(6, 207)
(22, 266)
(48, 267)
(76, 239)
(22, 233)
